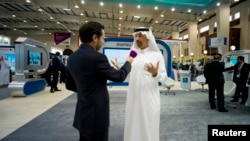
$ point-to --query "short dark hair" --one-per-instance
(88, 29)
(57, 53)
(217, 56)
(241, 58)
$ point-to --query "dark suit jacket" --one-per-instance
(244, 72)
(213, 72)
(56, 65)
(90, 71)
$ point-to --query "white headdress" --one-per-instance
(151, 43)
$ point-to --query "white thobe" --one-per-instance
(142, 115)
(4, 72)
(228, 75)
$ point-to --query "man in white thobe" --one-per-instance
(4, 71)
(142, 115)
(228, 75)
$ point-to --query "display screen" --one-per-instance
(120, 53)
(11, 58)
(233, 60)
(34, 58)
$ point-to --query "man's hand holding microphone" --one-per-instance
(130, 59)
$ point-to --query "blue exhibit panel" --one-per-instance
(34, 86)
(27, 87)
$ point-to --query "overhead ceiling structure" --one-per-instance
(119, 17)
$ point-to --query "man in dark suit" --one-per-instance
(90, 70)
(240, 77)
(213, 73)
(55, 68)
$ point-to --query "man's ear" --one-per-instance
(94, 37)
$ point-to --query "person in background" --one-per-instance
(47, 74)
(55, 68)
(228, 75)
(213, 73)
(90, 71)
(240, 77)
(63, 70)
(142, 113)
(4, 71)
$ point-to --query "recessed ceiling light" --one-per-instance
(76, 6)
(28, 1)
(66, 9)
(137, 17)
(189, 10)
(173, 9)
(101, 3)
(156, 8)
(120, 5)
(138, 6)
(82, 1)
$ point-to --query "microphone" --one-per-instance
(133, 53)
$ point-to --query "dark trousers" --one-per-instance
(219, 88)
(54, 81)
(241, 88)
(99, 136)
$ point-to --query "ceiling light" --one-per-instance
(120, 5)
(204, 11)
(35, 26)
(39, 9)
(189, 10)
(66, 9)
(101, 3)
(138, 6)
(81, 14)
(121, 11)
(14, 29)
(28, 1)
(120, 18)
(218, 4)
(42, 29)
(14, 15)
(82, 1)
(51, 18)
(120, 24)
(24, 21)
(137, 17)
(76, 6)
(236, 0)
(173, 9)
(58, 22)
(156, 8)
(162, 15)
